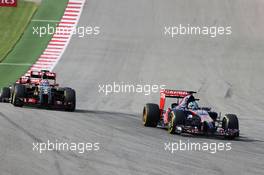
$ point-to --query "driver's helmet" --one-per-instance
(193, 105)
(44, 83)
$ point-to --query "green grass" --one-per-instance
(13, 24)
(30, 46)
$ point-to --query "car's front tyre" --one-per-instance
(69, 99)
(177, 118)
(230, 122)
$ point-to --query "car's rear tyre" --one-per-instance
(176, 118)
(18, 95)
(151, 115)
(230, 121)
(5, 94)
(69, 99)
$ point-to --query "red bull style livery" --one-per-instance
(185, 116)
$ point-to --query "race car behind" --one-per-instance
(39, 89)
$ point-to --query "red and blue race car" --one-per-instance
(185, 116)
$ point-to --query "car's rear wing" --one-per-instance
(175, 93)
(41, 74)
(168, 93)
(35, 77)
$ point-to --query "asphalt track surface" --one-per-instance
(227, 72)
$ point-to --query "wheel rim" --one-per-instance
(171, 124)
(144, 116)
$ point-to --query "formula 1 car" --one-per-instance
(39, 89)
(185, 116)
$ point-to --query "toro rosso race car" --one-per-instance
(39, 89)
(185, 116)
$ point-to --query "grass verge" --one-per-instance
(13, 24)
(30, 46)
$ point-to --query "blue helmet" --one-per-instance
(193, 105)
(44, 83)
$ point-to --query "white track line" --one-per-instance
(43, 20)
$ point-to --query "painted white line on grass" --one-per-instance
(15, 64)
(44, 20)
